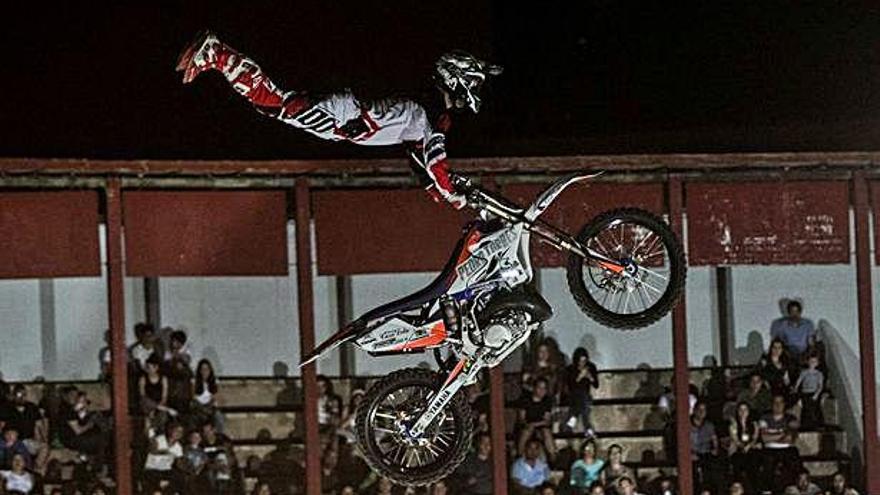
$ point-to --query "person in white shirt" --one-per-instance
(17, 479)
(164, 451)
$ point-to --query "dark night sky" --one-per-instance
(596, 76)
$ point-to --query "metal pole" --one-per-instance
(498, 430)
(307, 335)
(724, 294)
(680, 356)
(343, 317)
(866, 333)
(116, 308)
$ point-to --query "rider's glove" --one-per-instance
(458, 201)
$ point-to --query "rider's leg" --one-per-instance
(207, 52)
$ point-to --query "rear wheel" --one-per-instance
(390, 407)
(653, 276)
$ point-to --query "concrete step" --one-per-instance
(261, 424)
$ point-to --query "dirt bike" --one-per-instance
(626, 270)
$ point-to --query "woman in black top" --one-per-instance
(775, 369)
(581, 377)
(153, 387)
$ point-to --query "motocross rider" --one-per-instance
(342, 116)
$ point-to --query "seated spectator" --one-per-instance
(775, 366)
(105, 365)
(614, 469)
(530, 471)
(704, 448)
(666, 403)
(534, 417)
(778, 431)
(547, 489)
(736, 488)
(438, 488)
(808, 388)
(586, 470)
(17, 479)
(795, 332)
(221, 458)
(757, 396)
(346, 426)
(626, 486)
(545, 362)
(32, 427)
(744, 443)
(82, 432)
(204, 407)
(262, 488)
(597, 488)
(717, 392)
(478, 399)
(839, 486)
(582, 377)
(804, 486)
(476, 474)
(153, 392)
(177, 362)
(196, 480)
(147, 344)
(165, 450)
(11, 447)
(384, 487)
(329, 405)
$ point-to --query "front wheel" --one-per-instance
(652, 277)
(390, 407)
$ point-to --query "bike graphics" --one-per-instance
(625, 270)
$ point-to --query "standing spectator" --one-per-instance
(477, 474)
(704, 447)
(147, 344)
(757, 396)
(534, 417)
(778, 431)
(12, 447)
(614, 469)
(165, 450)
(329, 404)
(546, 362)
(205, 391)
(804, 486)
(744, 443)
(30, 423)
(104, 362)
(530, 471)
(177, 362)
(586, 470)
(795, 332)
(153, 389)
(809, 386)
(775, 369)
(716, 392)
(839, 486)
(17, 479)
(626, 486)
(582, 377)
(82, 432)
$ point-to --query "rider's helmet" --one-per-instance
(461, 75)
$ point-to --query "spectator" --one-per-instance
(147, 344)
(384, 487)
(614, 469)
(262, 488)
(195, 466)
(17, 479)
(346, 426)
(439, 488)
(12, 447)
(104, 363)
(479, 402)
(704, 447)
(177, 362)
(778, 431)
(804, 486)
(205, 390)
(30, 423)
(477, 474)
(530, 471)
(534, 417)
(153, 390)
(586, 470)
(165, 450)
(221, 458)
(795, 332)
(626, 486)
(546, 362)
(839, 486)
(82, 432)
(331, 479)
(809, 386)
(547, 489)
(716, 392)
(737, 488)
(775, 369)
(666, 486)
(757, 396)
(744, 443)
(666, 403)
(329, 404)
(582, 377)
(597, 488)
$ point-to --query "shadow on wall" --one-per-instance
(211, 354)
(846, 385)
(752, 351)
